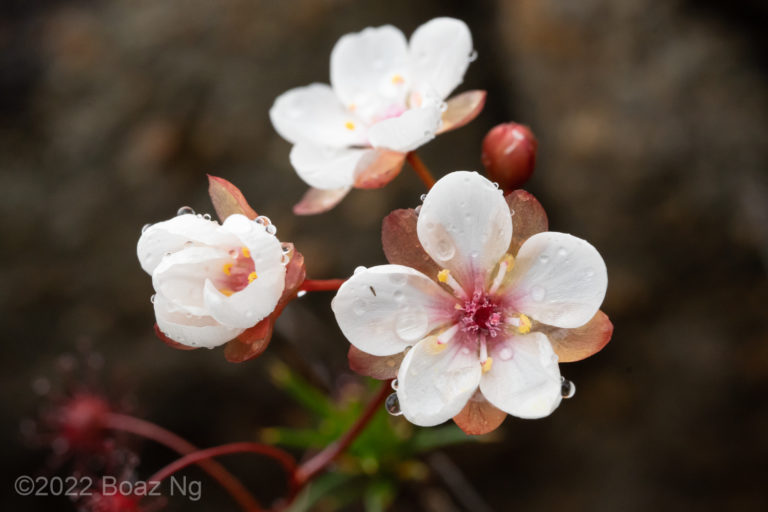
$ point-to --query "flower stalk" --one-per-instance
(421, 170)
(320, 285)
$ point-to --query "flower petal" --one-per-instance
(479, 416)
(558, 279)
(316, 200)
(464, 225)
(171, 235)
(314, 115)
(378, 367)
(377, 168)
(524, 379)
(408, 131)
(369, 70)
(461, 109)
(528, 218)
(258, 299)
(435, 381)
(579, 343)
(382, 310)
(401, 243)
(194, 331)
(440, 51)
(325, 167)
(227, 199)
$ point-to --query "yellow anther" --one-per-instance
(442, 276)
(227, 268)
(252, 277)
(398, 79)
(487, 364)
(509, 260)
(435, 347)
(349, 125)
(525, 324)
(226, 291)
(246, 252)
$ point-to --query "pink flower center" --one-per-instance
(480, 315)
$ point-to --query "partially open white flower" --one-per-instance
(481, 322)
(386, 95)
(212, 281)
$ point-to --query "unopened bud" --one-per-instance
(509, 155)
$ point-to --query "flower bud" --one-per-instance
(509, 155)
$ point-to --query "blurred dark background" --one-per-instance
(652, 120)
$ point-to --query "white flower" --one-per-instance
(211, 281)
(478, 325)
(386, 95)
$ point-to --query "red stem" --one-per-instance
(200, 457)
(317, 285)
(181, 446)
(321, 460)
(421, 170)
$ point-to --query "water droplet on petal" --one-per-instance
(394, 384)
(505, 354)
(359, 307)
(392, 405)
(538, 293)
(359, 269)
(145, 227)
(562, 252)
(422, 197)
(263, 220)
(568, 388)
(495, 185)
(511, 212)
(152, 298)
(399, 296)
(445, 249)
(411, 325)
(286, 248)
(473, 56)
(544, 258)
(185, 210)
(207, 216)
(271, 229)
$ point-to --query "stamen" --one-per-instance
(246, 252)
(522, 323)
(487, 365)
(226, 291)
(507, 264)
(227, 268)
(349, 125)
(444, 276)
(398, 79)
(252, 277)
(448, 334)
(483, 351)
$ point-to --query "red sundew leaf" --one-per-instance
(250, 343)
(378, 367)
(479, 416)
(378, 167)
(401, 243)
(227, 199)
(528, 218)
(168, 341)
(317, 201)
(579, 343)
(462, 109)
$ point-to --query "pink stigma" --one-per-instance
(480, 316)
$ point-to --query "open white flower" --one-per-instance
(212, 281)
(478, 326)
(385, 99)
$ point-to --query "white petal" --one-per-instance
(315, 115)
(326, 168)
(382, 310)
(440, 54)
(171, 235)
(558, 279)
(436, 381)
(407, 132)
(369, 70)
(180, 276)
(465, 226)
(250, 305)
(191, 330)
(524, 379)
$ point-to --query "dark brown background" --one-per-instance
(652, 124)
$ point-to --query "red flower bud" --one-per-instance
(509, 155)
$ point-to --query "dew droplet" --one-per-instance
(359, 269)
(271, 229)
(473, 56)
(152, 298)
(398, 295)
(411, 325)
(505, 354)
(207, 216)
(398, 279)
(445, 249)
(567, 388)
(511, 212)
(496, 184)
(544, 258)
(301, 293)
(562, 252)
(145, 227)
(538, 293)
(286, 248)
(394, 384)
(359, 307)
(392, 405)
(422, 197)
(263, 220)
(185, 210)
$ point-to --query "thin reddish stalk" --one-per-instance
(421, 170)
(181, 446)
(320, 461)
(317, 285)
(202, 456)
